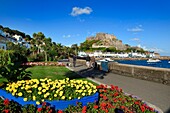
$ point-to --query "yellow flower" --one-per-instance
(83, 94)
(25, 99)
(44, 90)
(63, 97)
(7, 88)
(42, 100)
(70, 98)
(29, 91)
(55, 95)
(39, 93)
(38, 103)
(45, 96)
(13, 94)
(47, 93)
(20, 94)
(83, 87)
(34, 98)
(78, 97)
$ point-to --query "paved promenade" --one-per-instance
(154, 93)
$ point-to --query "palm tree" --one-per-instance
(46, 47)
(39, 38)
(33, 48)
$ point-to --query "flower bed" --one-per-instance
(44, 64)
(111, 100)
(54, 93)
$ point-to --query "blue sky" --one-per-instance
(145, 23)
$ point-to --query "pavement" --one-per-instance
(155, 94)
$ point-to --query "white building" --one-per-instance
(2, 40)
(21, 41)
(18, 38)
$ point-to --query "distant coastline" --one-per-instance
(161, 58)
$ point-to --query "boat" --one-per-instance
(169, 62)
(153, 60)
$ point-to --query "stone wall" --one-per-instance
(160, 75)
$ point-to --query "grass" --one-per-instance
(54, 72)
(51, 72)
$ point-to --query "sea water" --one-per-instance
(162, 64)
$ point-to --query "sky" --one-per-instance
(143, 23)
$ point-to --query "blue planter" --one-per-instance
(57, 104)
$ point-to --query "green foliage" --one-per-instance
(10, 70)
(87, 44)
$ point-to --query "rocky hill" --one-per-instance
(107, 40)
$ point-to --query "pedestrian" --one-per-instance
(88, 61)
(74, 60)
(93, 62)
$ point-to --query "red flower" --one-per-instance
(44, 103)
(50, 111)
(95, 106)
(112, 87)
(122, 107)
(120, 99)
(101, 95)
(84, 109)
(106, 111)
(115, 100)
(98, 87)
(103, 104)
(6, 102)
(142, 108)
(116, 94)
(151, 109)
(116, 87)
(39, 109)
(48, 107)
(137, 103)
(6, 110)
(105, 97)
(60, 111)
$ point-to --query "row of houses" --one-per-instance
(16, 39)
(120, 55)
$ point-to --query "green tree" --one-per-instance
(46, 47)
(38, 38)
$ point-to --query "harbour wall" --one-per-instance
(160, 75)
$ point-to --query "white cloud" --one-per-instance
(66, 36)
(158, 50)
(79, 11)
(135, 39)
(136, 29)
(71, 35)
(155, 49)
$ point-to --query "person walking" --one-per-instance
(74, 60)
(88, 61)
(93, 62)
